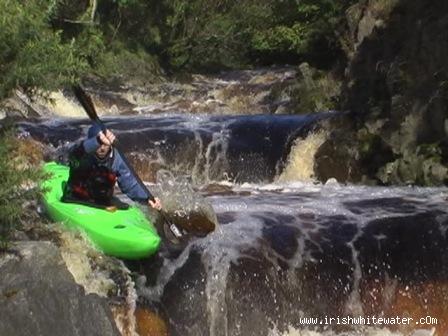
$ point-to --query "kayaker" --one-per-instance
(95, 167)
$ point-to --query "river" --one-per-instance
(287, 249)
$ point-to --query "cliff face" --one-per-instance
(396, 89)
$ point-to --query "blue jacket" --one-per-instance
(82, 158)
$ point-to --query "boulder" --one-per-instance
(38, 296)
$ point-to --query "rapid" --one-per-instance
(289, 253)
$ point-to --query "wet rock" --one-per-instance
(149, 323)
(38, 296)
(395, 96)
(396, 80)
(337, 156)
(418, 167)
(184, 300)
(6, 110)
(197, 223)
(334, 161)
(312, 91)
(218, 189)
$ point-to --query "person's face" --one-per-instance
(102, 151)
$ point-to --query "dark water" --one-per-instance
(309, 251)
(250, 148)
(284, 250)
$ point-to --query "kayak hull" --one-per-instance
(125, 234)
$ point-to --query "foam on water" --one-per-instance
(243, 229)
(220, 249)
(300, 163)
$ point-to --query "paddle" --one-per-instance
(88, 106)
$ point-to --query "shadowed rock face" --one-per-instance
(383, 256)
(395, 89)
(38, 296)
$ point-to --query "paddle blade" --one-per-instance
(86, 102)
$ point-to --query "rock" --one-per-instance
(415, 167)
(332, 182)
(333, 160)
(38, 296)
(218, 189)
(314, 90)
(337, 156)
(434, 173)
(365, 26)
(18, 105)
(396, 90)
(149, 323)
(307, 74)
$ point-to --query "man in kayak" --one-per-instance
(95, 167)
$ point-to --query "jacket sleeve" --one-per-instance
(90, 145)
(127, 183)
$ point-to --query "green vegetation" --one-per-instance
(19, 176)
(217, 34)
(139, 66)
(32, 54)
(315, 91)
(46, 44)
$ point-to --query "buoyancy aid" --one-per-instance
(93, 180)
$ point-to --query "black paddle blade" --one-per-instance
(86, 102)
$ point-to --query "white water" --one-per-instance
(248, 209)
(244, 230)
(300, 163)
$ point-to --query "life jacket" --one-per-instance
(95, 181)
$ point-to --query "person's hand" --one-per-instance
(156, 204)
(106, 137)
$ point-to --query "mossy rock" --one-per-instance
(373, 151)
(421, 167)
(315, 91)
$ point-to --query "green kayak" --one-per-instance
(126, 234)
